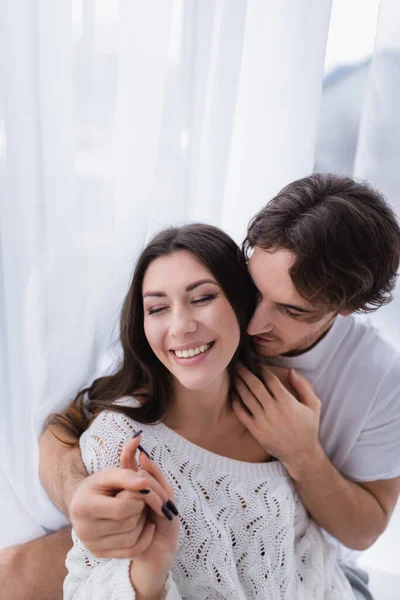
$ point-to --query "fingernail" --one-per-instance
(166, 512)
(144, 491)
(172, 507)
(144, 451)
(137, 434)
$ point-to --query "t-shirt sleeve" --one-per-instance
(376, 454)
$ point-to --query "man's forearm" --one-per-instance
(36, 569)
(61, 468)
(343, 508)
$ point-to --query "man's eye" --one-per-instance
(292, 314)
(204, 299)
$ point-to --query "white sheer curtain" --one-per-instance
(378, 160)
(378, 147)
(119, 118)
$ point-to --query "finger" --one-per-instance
(128, 454)
(117, 539)
(111, 480)
(248, 399)
(144, 540)
(136, 549)
(108, 528)
(153, 469)
(257, 387)
(97, 532)
(119, 506)
(283, 376)
(242, 414)
(278, 390)
(305, 390)
(154, 486)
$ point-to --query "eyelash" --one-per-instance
(291, 314)
(206, 298)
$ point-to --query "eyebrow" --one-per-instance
(188, 288)
(294, 307)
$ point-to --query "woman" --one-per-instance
(242, 532)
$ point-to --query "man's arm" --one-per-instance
(61, 469)
(35, 569)
(354, 513)
(287, 427)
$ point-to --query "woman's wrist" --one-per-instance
(147, 586)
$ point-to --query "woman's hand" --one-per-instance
(150, 568)
(109, 513)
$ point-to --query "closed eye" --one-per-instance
(154, 311)
(288, 312)
(204, 299)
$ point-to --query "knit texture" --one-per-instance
(244, 531)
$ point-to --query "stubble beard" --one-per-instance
(279, 348)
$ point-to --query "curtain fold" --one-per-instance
(121, 118)
(378, 144)
(279, 95)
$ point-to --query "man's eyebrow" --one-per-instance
(294, 307)
(188, 288)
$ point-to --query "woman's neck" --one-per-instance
(208, 407)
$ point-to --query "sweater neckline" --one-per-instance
(217, 462)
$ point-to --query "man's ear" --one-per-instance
(346, 313)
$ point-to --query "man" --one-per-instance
(324, 248)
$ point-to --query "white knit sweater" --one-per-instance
(244, 532)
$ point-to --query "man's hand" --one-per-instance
(354, 513)
(286, 427)
(110, 514)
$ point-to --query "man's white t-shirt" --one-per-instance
(355, 373)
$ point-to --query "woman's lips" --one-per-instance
(192, 360)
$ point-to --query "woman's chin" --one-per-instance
(195, 385)
(199, 382)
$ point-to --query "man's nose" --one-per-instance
(260, 321)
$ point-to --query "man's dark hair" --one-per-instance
(345, 238)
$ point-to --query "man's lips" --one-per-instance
(263, 339)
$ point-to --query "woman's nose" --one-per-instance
(182, 323)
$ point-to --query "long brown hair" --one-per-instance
(140, 372)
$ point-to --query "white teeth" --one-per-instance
(191, 352)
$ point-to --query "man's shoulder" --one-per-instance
(367, 340)
(372, 355)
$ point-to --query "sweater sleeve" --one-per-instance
(104, 579)
(88, 576)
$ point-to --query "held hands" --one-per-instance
(113, 519)
(286, 427)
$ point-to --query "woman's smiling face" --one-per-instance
(188, 322)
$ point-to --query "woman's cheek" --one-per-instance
(155, 336)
